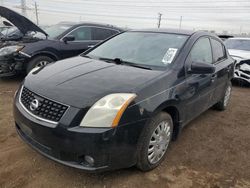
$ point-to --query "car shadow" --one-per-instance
(11, 79)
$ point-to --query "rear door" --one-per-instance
(223, 66)
(200, 87)
(100, 34)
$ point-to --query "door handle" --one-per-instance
(91, 46)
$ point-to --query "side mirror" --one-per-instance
(68, 38)
(201, 68)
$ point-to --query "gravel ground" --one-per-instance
(212, 151)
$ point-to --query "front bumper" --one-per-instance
(242, 71)
(11, 65)
(239, 75)
(69, 144)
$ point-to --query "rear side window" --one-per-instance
(82, 33)
(102, 33)
(201, 51)
(218, 50)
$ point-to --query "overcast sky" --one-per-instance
(219, 15)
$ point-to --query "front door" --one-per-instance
(83, 41)
(199, 87)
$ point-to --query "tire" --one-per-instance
(145, 161)
(38, 61)
(223, 103)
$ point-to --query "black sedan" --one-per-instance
(122, 102)
(38, 47)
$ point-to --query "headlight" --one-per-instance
(10, 49)
(107, 111)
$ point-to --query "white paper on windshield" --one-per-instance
(169, 56)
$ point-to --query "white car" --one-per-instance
(239, 49)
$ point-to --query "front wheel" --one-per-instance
(38, 61)
(155, 141)
(222, 105)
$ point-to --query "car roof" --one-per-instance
(77, 24)
(166, 30)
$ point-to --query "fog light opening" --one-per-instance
(88, 161)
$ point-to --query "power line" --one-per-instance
(83, 12)
(201, 9)
(151, 4)
(154, 2)
(142, 16)
(134, 16)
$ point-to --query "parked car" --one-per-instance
(239, 49)
(38, 47)
(120, 103)
(225, 37)
(2, 28)
(10, 34)
(5, 25)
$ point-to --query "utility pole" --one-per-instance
(180, 22)
(159, 20)
(23, 7)
(36, 11)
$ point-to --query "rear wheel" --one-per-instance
(38, 61)
(222, 105)
(155, 141)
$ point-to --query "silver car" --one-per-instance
(239, 49)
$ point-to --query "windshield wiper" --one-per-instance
(138, 65)
(119, 61)
(86, 56)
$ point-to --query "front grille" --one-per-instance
(246, 71)
(244, 76)
(46, 108)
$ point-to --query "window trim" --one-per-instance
(206, 37)
(187, 64)
(224, 50)
(67, 34)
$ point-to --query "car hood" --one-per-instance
(21, 22)
(80, 81)
(239, 54)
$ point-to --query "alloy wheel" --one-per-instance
(42, 63)
(159, 142)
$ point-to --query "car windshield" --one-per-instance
(238, 44)
(53, 31)
(141, 48)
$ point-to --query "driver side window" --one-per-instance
(201, 51)
(82, 33)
